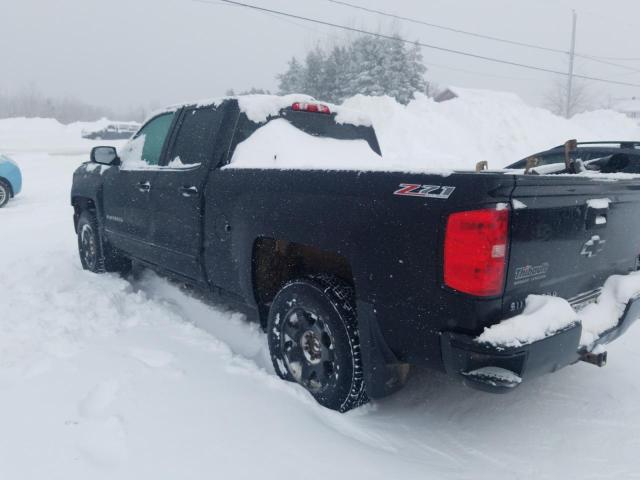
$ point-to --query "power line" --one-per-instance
(427, 63)
(619, 59)
(606, 62)
(421, 44)
(593, 58)
(449, 29)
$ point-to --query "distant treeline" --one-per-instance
(30, 102)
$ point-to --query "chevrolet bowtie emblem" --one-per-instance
(593, 246)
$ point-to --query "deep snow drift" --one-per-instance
(479, 125)
(104, 377)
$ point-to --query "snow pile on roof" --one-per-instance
(479, 125)
(280, 145)
(599, 202)
(259, 107)
(545, 315)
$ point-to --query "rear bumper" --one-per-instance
(500, 369)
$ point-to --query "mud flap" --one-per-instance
(383, 373)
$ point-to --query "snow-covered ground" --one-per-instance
(104, 377)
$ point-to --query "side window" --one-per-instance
(145, 149)
(194, 144)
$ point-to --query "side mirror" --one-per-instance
(105, 156)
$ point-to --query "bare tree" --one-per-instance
(30, 102)
(583, 97)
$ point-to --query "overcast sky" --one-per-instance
(122, 53)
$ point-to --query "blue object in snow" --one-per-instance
(10, 174)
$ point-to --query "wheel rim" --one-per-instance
(3, 194)
(308, 349)
(88, 246)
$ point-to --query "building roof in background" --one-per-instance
(472, 94)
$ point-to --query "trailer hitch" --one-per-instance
(599, 359)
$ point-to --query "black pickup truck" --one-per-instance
(356, 275)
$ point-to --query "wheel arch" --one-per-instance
(80, 204)
(8, 183)
(275, 261)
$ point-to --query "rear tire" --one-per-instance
(313, 340)
(95, 254)
(5, 193)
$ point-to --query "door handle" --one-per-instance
(188, 190)
(597, 217)
(144, 186)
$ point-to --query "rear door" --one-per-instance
(568, 234)
(177, 196)
(127, 189)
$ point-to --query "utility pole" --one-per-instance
(572, 54)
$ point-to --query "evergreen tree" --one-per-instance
(367, 70)
(292, 80)
(395, 70)
(314, 78)
(336, 74)
(416, 70)
(368, 65)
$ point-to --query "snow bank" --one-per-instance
(424, 135)
(143, 380)
(479, 125)
(49, 135)
(544, 316)
(439, 137)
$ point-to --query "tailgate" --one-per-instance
(568, 234)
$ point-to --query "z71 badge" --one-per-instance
(425, 191)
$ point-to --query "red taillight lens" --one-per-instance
(475, 249)
(310, 107)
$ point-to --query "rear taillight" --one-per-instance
(475, 249)
(310, 107)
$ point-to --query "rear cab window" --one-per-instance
(194, 143)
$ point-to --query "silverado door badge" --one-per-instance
(425, 191)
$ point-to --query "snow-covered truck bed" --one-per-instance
(286, 209)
